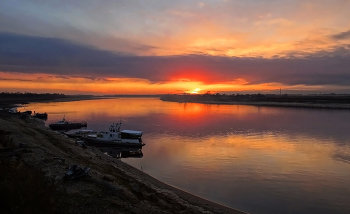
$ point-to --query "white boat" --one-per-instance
(115, 137)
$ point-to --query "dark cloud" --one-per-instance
(60, 57)
(342, 35)
(59, 76)
(22, 80)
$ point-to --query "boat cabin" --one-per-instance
(130, 134)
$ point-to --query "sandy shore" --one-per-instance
(111, 185)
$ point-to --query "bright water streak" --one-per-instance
(256, 159)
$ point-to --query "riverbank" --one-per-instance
(8, 101)
(33, 163)
(281, 104)
(298, 101)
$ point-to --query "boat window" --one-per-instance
(129, 136)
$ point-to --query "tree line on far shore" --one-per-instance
(207, 97)
(24, 98)
(28, 95)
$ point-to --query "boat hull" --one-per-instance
(40, 115)
(67, 126)
(104, 143)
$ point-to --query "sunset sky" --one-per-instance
(157, 47)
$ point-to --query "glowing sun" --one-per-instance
(195, 91)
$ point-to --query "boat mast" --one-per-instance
(120, 123)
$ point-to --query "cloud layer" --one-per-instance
(223, 42)
(222, 27)
(59, 57)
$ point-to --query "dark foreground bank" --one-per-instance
(33, 163)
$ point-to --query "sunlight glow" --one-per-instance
(195, 91)
(43, 83)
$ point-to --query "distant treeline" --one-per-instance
(218, 98)
(24, 98)
(28, 95)
(132, 95)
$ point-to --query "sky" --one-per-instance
(183, 46)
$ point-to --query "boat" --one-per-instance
(27, 112)
(79, 133)
(115, 137)
(40, 115)
(65, 125)
(13, 111)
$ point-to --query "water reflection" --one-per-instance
(122, 152)
(192, 119)
(257, 159)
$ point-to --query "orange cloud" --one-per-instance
(43, 83)
(65, 84)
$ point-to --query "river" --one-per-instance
(255, 159)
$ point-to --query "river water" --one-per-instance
(255, 159)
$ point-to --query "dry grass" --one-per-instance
(6, 141)
(23, 189)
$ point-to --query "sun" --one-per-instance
(195, 91)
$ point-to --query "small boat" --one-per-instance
(27, 112)
(115, 137)
(65, 125)
(13, 111)
(40, 115)
(79, 133)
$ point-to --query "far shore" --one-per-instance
(297, 101)
(22, 100)
(68, 98)
(281, 104)
(11, 101)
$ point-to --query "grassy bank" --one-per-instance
(23, 189)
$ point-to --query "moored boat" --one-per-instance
(79, 133)
(13, 111)
(65, 125)
(40, 115)
(115, 137)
